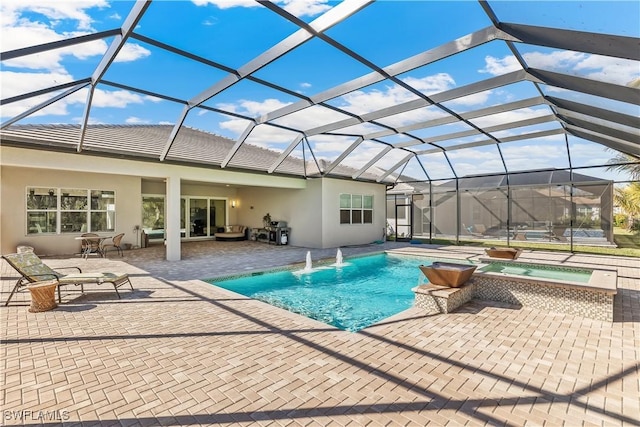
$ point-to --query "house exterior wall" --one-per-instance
(310, 207)
(13, 227)
(313, 214)
(336, 234)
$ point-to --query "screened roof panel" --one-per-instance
(375, 97)
(469, 66)
(524, 130)
(314, 117)
(313, 64)
(416, 118)
(389, 29)
(515, 115)
(570, 116)
(588, 65)
(592, 100)
(492, 97)
(358, 87)
(444, 132)
(202, 26)
(263, 99)
(436, 165)
(587, 153)
(412, 170)
(477, 160)
(171, 72)
(537, 153)
(364, 153)
(619, 17)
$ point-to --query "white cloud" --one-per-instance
(136, 121)
(53, 10)
(305, 7)
(18, 31)
(253, 108)
(295, 7)
(15, 83)
(479, 98)
(131, 52)
(226, 4)
(499, 66)
(115, 98)
(19, 83)
(365, 101)
(597, 67)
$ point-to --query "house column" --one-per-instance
(172, 219)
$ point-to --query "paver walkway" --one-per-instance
(178, 351)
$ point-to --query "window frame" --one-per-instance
(353, 209)
(70, 207)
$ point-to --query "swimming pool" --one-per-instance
(361, 292)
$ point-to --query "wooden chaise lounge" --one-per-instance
(504, 253)
(448, 274)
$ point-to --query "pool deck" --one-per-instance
(178, 351)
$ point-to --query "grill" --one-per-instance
(279, 233)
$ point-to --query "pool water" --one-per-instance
(543, 272)
(351, 297)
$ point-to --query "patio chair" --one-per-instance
(32, 269)
(115, 243)
(89, 246)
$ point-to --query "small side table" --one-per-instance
(43, 296)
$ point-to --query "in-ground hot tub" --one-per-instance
(571, 290)
(578, 291)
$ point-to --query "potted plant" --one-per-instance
(266, 220)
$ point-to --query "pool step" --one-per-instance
(440, 299)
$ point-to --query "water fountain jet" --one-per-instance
(308, 265)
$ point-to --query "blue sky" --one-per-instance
(233, 32)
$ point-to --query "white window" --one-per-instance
(69, 210)
(356, 209)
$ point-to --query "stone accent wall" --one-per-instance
(438, 299)
(590, 303)
(593, 304)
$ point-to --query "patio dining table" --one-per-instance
(88, 244)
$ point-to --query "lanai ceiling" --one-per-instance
(375, 90)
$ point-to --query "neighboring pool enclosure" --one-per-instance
(551, 207)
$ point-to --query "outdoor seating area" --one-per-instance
(211, 351)
(232, 232)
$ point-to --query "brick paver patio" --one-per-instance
(178, 351)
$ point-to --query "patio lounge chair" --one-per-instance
(470, 231)
(32, 269)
